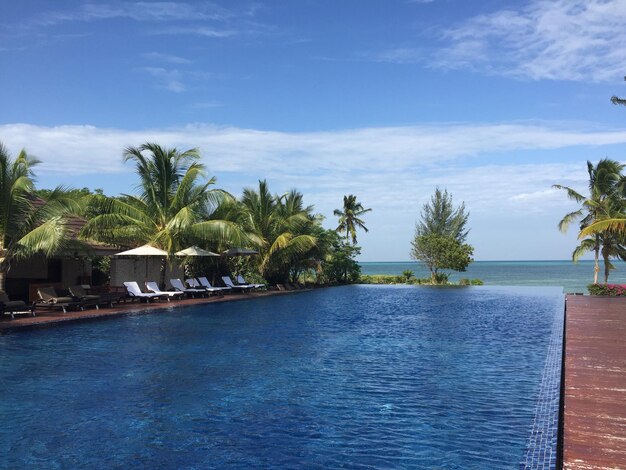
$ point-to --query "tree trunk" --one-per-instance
(2, 278)
(607, 268)
(596, 267)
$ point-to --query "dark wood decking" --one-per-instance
(594, 430)
(47, 318)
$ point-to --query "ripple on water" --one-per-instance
(358, 377)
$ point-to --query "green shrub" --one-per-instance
(464, 281)
(476, 282)
(612, 290)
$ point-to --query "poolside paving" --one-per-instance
(48, 318)
(594, 426)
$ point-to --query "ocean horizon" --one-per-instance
(572, 277)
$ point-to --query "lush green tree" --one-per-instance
(337, 260)
(350, 217)
(441, 252)
(441, 217)
(29, 224)
(440, 236)
(279, 227)
(171, 208)
(596, 212)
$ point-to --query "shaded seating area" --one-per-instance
(50, 299)
(135, 291)
(241, 287)
(178, 285)
(15, 307)
(242, 281)
(154, 288)
(204, 282)
(196, 284)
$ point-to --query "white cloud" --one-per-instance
(393, 170)
(546, 39)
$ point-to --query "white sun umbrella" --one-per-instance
(195, 251)
(145, 251)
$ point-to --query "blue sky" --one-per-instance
(494, 100)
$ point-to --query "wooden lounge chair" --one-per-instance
(229, 282)
(179, 286)
(134, 291)
(49, 298)
(154, 287)
(242, 281)
(15, 307)
(79, 293)
(196, 284)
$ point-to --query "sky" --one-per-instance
(495, 101)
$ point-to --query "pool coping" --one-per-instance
(543, 447)
(51, 319)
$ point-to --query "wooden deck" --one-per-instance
(48, 318)
(594, 426)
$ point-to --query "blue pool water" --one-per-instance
(349, 377)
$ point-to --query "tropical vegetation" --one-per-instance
(350, 217)
(599, 215)
(440, 237)
(29, 224)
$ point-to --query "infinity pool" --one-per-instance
(349, 377)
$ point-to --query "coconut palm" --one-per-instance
(605, 182)
(279, 228)
(349, 217)
(171, 207)
(28, 224)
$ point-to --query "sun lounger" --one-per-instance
(134, 291)
(49, 298)
(229, 282)
(14, 307)
(179, 286)
(195, 284)
(242, 281)
(204, 282)
(153, 287)
(78, 292)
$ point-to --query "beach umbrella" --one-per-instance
(146, 251)
(240, 252)
(195, 251)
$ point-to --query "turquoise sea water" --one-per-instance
(572, 277)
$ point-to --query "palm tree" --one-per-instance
(280, 227)
(349, 218)
(170, 209)
(605, 182)
(28, 225)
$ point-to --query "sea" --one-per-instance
(572, 277)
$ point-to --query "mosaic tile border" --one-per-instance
(542, 446)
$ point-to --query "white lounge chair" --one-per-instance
(243, 287)
(179, 286)
(242, 281)
(195, 284)
(204, 282)
(134, 291)
(153, 287)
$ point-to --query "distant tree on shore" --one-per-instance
(349, 217)
(440, 237)
(29, 224)
(599, 215)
